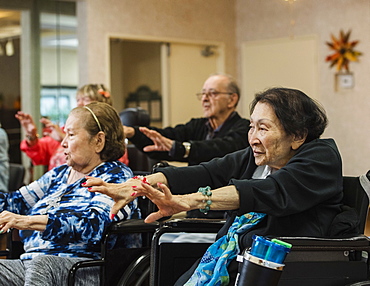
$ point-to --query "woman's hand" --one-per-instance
(167, 203)
(27, 123)
(161, 143)
(52, 130)
(122, 194)
(10, 220)
(224, 198)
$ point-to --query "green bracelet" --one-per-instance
(207, 193)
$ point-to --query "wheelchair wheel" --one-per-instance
(138, 272)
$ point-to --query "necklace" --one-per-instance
(51, 203)
(54, 201)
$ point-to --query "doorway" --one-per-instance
(172, 69)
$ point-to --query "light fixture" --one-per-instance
(9, 48)
(292, 17)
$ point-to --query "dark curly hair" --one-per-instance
(108, 120)
(298, 113)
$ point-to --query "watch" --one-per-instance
(187, 147)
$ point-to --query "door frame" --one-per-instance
(165, 69)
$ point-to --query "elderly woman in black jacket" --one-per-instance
(288, 180)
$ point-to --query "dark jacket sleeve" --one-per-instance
(312, 177)
(300, 199)
(232, 136)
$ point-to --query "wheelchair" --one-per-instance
(312, 261)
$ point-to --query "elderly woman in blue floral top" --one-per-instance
(60, 221)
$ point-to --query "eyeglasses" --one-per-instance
(211, 94)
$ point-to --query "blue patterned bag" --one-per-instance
(212, 269)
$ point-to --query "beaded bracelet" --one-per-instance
(207, 193)
(141, 178)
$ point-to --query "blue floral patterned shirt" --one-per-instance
(77, 217)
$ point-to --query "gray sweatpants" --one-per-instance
(45, 270)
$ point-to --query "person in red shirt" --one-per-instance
(46, 150)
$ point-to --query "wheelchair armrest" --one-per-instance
(87, 263)
(170, 225)
(192, 225)
(132, 226)
(359, 242)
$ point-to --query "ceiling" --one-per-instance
(55, 30)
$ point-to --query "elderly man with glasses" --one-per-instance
(221, 130)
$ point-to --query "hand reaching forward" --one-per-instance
(10, 220)
(27, 122)
(52, 130)
(122, 194)
(167, 203)
(161, 143)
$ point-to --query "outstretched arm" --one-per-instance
(123, 193)
(29, 127)
(54, 130)
(225, 198)
(11, 220)
(167, 203)
(161, 143)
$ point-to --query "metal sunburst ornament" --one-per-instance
(344, 51)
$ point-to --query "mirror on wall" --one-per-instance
(38, 64)
(59, 65)
(10, 94)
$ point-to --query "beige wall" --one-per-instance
(209, 20)
(348, 111)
